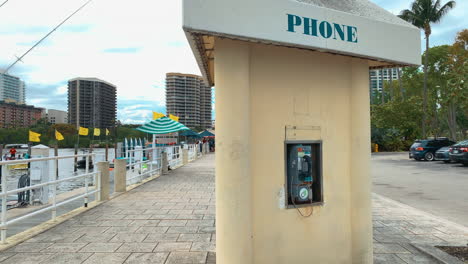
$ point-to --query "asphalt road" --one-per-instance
(435, 187)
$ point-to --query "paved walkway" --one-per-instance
(171, 220)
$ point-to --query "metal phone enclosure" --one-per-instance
(303, 169)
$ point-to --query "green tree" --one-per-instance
(422, 14)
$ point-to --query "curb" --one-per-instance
(437, 254)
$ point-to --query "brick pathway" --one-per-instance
(171, 220)
(397, 226)
(168, 220)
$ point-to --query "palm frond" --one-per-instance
(443, 11)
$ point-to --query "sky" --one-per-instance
(131, 44)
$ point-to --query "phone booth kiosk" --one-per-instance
(293, 122)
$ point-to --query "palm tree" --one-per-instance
(422, 14)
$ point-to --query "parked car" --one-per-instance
(443, 154)
(459, 152)
(426, 149)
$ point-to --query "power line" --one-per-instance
(4, 3)
(65, 20)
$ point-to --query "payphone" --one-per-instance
(303, 173)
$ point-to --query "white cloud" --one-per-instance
(146, 38)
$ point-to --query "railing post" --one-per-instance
(165, 163)
(86, 181)
(4, 205)
(120, 175)
(103, 169)
(185, 157)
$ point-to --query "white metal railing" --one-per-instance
(143, 163)
(192, 152)
(51, 193)
(174, 156)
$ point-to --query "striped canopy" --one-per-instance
(162, 125)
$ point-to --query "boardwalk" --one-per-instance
(168, 220)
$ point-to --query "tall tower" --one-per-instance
(189, 98)
(12, 88)
(92, 103)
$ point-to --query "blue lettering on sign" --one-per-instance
(324, 29)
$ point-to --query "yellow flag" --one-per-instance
(83, 131)
(97, 132)
(173, 117)
(107, 132)
(34, 137)
(157, 115)
(58, 135)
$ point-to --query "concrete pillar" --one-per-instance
(165, 163)
(361, 212)
(120, 175)
(233, 179)
(185, 158)
(104, 184)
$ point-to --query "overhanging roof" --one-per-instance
(368, 31)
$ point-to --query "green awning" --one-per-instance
(207, 133)
(162, 125)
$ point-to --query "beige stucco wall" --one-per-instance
(261, 90)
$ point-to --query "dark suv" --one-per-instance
(425, 149)
(459, 152)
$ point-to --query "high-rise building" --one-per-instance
(189, 98)
(57, 116)
(91, 103)
(14, 115)
(12, 88)
(377, 80)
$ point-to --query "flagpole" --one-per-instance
(107, 147)
(77, 145)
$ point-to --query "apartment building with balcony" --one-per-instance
(189, 98)
(92, 103)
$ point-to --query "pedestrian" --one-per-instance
(13, 152)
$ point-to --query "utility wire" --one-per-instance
(4, 3)
(65, 20)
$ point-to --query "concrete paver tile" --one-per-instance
(5, 255)
(29, 247)
(190, 217)
(152, 229)
(122, 229)
(147, 222)
(117, 222)
(187, 257)
(194, 238)
(200, 223)
(161, 238)
(107, 258)
(91, 229)
(28, 258)
(128, 237)
(417, 259)
(55, 237)
(173, 223)
(387, 259)
(101, 247)
(88, 238)
(144, 258)
(173, 246)
(64, 247)
(182, 229)
(207, 229)
(389, 248)
(137, 247)
(203, 246)
(69, 258)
